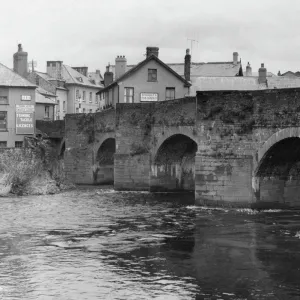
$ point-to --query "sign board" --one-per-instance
(24, 119)
(149, 97)
(25, 98)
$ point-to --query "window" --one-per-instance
(91, 96)
(3, 120)
(77, 110)
(83, 96)
(64, 106)
(128, 95)
(152, 74)
(170, 93)
(47, 111)
(3, 144)
(83, 110)
(97, 98)
(77, 94)
(18, 144)
(58, 106)
(91, 110)
(3, 100)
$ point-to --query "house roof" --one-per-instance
(224, 84)
(45, 76)
(199, 69)
(290, 73)
(11, 79)
(141, 64)
(44, 92)
(255, 74)
(241, 83)
(96, 76)
(71, 76)
(44, 97)
(209, 69)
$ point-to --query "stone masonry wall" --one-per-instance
(232, 127)
(84, 135)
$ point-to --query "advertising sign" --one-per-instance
(149, 97)
(24, 119)
(25, 98)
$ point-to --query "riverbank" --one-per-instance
(41, 184)
(24, 172)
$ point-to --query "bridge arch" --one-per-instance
(103, 170)
(173, 164)
(179, 131)
(277, 172)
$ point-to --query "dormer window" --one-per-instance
(79, 79)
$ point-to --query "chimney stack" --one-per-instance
(108, 77)
(187, 65)
(262, 74)
(21, 61)
(54, 69)
(121, 64)
(152, 51)
(98, 71)
(248, 70)
(235, 58)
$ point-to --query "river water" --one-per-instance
(101, 244)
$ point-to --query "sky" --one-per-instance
(93, 32)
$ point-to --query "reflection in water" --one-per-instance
(100, 244)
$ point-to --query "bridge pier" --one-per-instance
(223, 181)
(131, 172)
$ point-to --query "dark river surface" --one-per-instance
(101, 244)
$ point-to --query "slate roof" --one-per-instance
(71, 76)
(224, 84)
(44, 75)
(44, 92)
(241, 83)
(97, 77)
(255, 74)
(11, 79)
(200, 69)
(141, 64)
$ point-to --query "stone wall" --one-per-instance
(84, 135)
(232, 128)
(232, 132)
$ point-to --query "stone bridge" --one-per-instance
(233, 148)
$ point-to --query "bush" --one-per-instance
(19, 167)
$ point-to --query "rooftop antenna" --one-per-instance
(32, 65)
(192, 41)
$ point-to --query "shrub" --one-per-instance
(19, 167)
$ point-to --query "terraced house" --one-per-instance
(17, 108)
